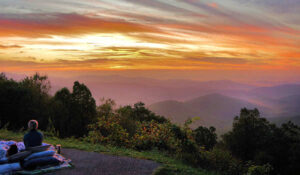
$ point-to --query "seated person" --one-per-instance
(33, 137)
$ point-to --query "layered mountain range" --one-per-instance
(216, 103)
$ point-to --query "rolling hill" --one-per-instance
(277, 92)
(280, 120)
(290, 105)
(129, 90)
(213, 109)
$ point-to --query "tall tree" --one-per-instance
(83, 109)
(249, 135)
(62, 114)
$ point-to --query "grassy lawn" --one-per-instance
(170, 166)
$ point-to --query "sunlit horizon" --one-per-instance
(95, 36)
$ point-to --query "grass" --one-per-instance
(170, 166)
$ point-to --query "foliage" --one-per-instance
(152, 134)
(24, 100)
(83, 109)
(29, 99)
(78, 109)
(248, 134)
(205, 137)
(135, 125)
(260, 169)
(223, 161)
(253, 146)
(108, 130)
(169, 165)
(254, 138)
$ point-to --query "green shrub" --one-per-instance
(153, 134)
(223, 161)
(260, 169)
(205, 137)
(108, 130)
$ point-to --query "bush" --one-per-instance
(205, 137)
(223, 161)
(153, 134)
(260, 169)
(252, 135)
(108, 130)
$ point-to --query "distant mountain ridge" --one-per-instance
(280, 120)
(206, 99)
(128, 90)
(214, 110)
(277, 91)
(219, 110)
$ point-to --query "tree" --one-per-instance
(106, 109)
(205, 137)
(24, 100)
(83, 109)
(141, 113)
(36, 99)
(74, 111)
(3, 76)
(249, 135)
(37, 82)
(62, 107)
(290, 161)
(254, 138)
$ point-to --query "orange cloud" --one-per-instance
(64, 24)
(213, 5)
(9, 46)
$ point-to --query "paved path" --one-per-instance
(90, 163)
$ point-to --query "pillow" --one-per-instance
(40, 154)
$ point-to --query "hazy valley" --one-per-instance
(216, 103)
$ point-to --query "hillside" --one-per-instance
(290, 105)
(279, 91)
(173, 110)
(214, 110)
(281, 120)
(129, 90)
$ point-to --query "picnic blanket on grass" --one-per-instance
(15, 168)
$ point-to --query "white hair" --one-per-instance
(33, 124)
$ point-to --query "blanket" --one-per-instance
(15, 168)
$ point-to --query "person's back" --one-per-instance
(33, 137)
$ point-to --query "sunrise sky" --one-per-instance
(70, 36)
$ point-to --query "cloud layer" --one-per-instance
(149, 35)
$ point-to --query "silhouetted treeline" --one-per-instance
(254, 146)
(29, 99)
(24, 100)
(255, 139)
(70, 113)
